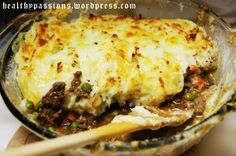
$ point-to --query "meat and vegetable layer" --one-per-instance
(85, 73)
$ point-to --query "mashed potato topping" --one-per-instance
(156, 120)
(123, 59)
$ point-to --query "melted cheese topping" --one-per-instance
(125, 59)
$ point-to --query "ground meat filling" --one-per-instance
(192, 97)
(55, 96)
(76, 81)
(52, 115)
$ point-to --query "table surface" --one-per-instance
(9, 125)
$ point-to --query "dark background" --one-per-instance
(225, 8)
(7, 15)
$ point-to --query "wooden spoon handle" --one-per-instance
(74, 140)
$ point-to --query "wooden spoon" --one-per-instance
(63, 143)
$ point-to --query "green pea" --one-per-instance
(52, 129)
(190, 94)
(74, 124)
(86, 87)
(213, 67)
(34, 116)
(29, 105)
(40, 104)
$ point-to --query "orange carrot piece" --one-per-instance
(71, 117)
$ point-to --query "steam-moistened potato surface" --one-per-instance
(123, 59)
